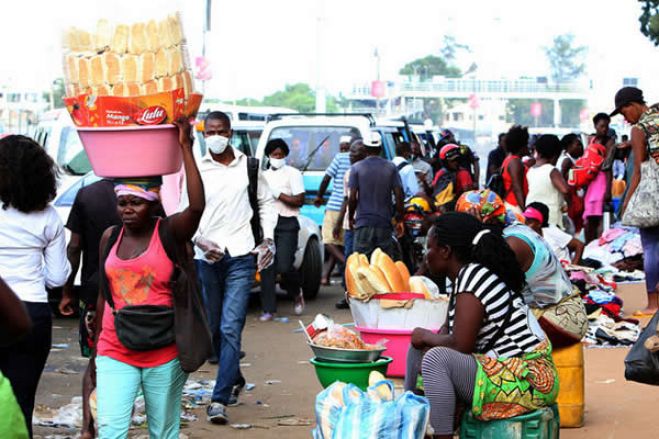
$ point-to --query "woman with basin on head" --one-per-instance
(490, 332)
(136, 270)
(32, 258)
(287, 186)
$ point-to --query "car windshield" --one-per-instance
(70, 154)
(312, 147)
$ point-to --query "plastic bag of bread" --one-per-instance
(132, 69)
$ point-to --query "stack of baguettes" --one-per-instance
(381, 275)
(127, 59)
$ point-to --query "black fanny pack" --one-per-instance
(145, 327)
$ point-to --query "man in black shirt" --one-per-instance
(495, 158)
(93, 211)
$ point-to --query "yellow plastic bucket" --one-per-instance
(571, 399)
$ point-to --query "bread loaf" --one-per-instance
(147, 67)
(149, 88)
(137, 40)
(175, 30)
(175, 60)
(97, 77)
(372, 280)
(119, 43)
(353, 287)
(382, 261)
(418, 285)
(163, 32)
(404, 274)
(84, 72)
(112, 68)
(129, 67)
(71, 68)
(103, 35)
(152, 36)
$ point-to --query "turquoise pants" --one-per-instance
(117, 387)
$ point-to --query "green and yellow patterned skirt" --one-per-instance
(509, 387)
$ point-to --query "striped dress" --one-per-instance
(522, 333)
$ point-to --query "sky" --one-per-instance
(255, 47)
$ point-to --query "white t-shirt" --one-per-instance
(286, 180)
(558, 241)
(32, 252)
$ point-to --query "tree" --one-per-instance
(58, 91)
(650, 20)
(451, 47)
(565, 59)
(430, 66)
(299, 97)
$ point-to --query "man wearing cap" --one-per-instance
(630, 103)
(334, 174)
(372, 183)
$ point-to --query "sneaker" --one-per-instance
(235, 393)
(216, 413)
(266, 317)
(299, 304)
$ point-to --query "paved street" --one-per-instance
(614, 409)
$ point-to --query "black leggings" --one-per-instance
(23, 362)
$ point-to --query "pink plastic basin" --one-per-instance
(397, 346)
(132, 151)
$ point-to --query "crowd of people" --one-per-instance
(499, 247)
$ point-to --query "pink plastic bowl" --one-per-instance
(132, 151)
(397, 346)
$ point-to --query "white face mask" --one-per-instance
(217, 144)
(277, 163)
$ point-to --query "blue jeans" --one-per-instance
(348, 242)
(226, 287)
(117, 387)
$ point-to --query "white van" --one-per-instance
(57, 134)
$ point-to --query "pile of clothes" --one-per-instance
(606, 325)
(616, 244)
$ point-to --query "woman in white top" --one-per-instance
(546, 184)
(32, 257)
(287, 187)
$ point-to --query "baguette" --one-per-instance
(404, 273)
(96, 70)
(418, 285)
(137, 41)
(84, 72)
(129, 68)
(112, 67)
(147, 67)
(152, 36)
(386, 265)
(372, 280)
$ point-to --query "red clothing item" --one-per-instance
(508, 181)
(463, 181)
(144, 280)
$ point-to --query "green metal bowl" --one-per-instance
(355, 373)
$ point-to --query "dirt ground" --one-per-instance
(615, 408)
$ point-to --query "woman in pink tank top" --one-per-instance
(139, 272)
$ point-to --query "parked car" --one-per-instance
(57, 134)
(313, 140)
(308, 258)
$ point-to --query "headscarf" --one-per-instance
(147, 188)
(490, 206)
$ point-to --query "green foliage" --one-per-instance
(58, 93)
(650, 20)
(451, 47)
(299, 97)
(565, 59)
(430, 66)
(570, 112)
